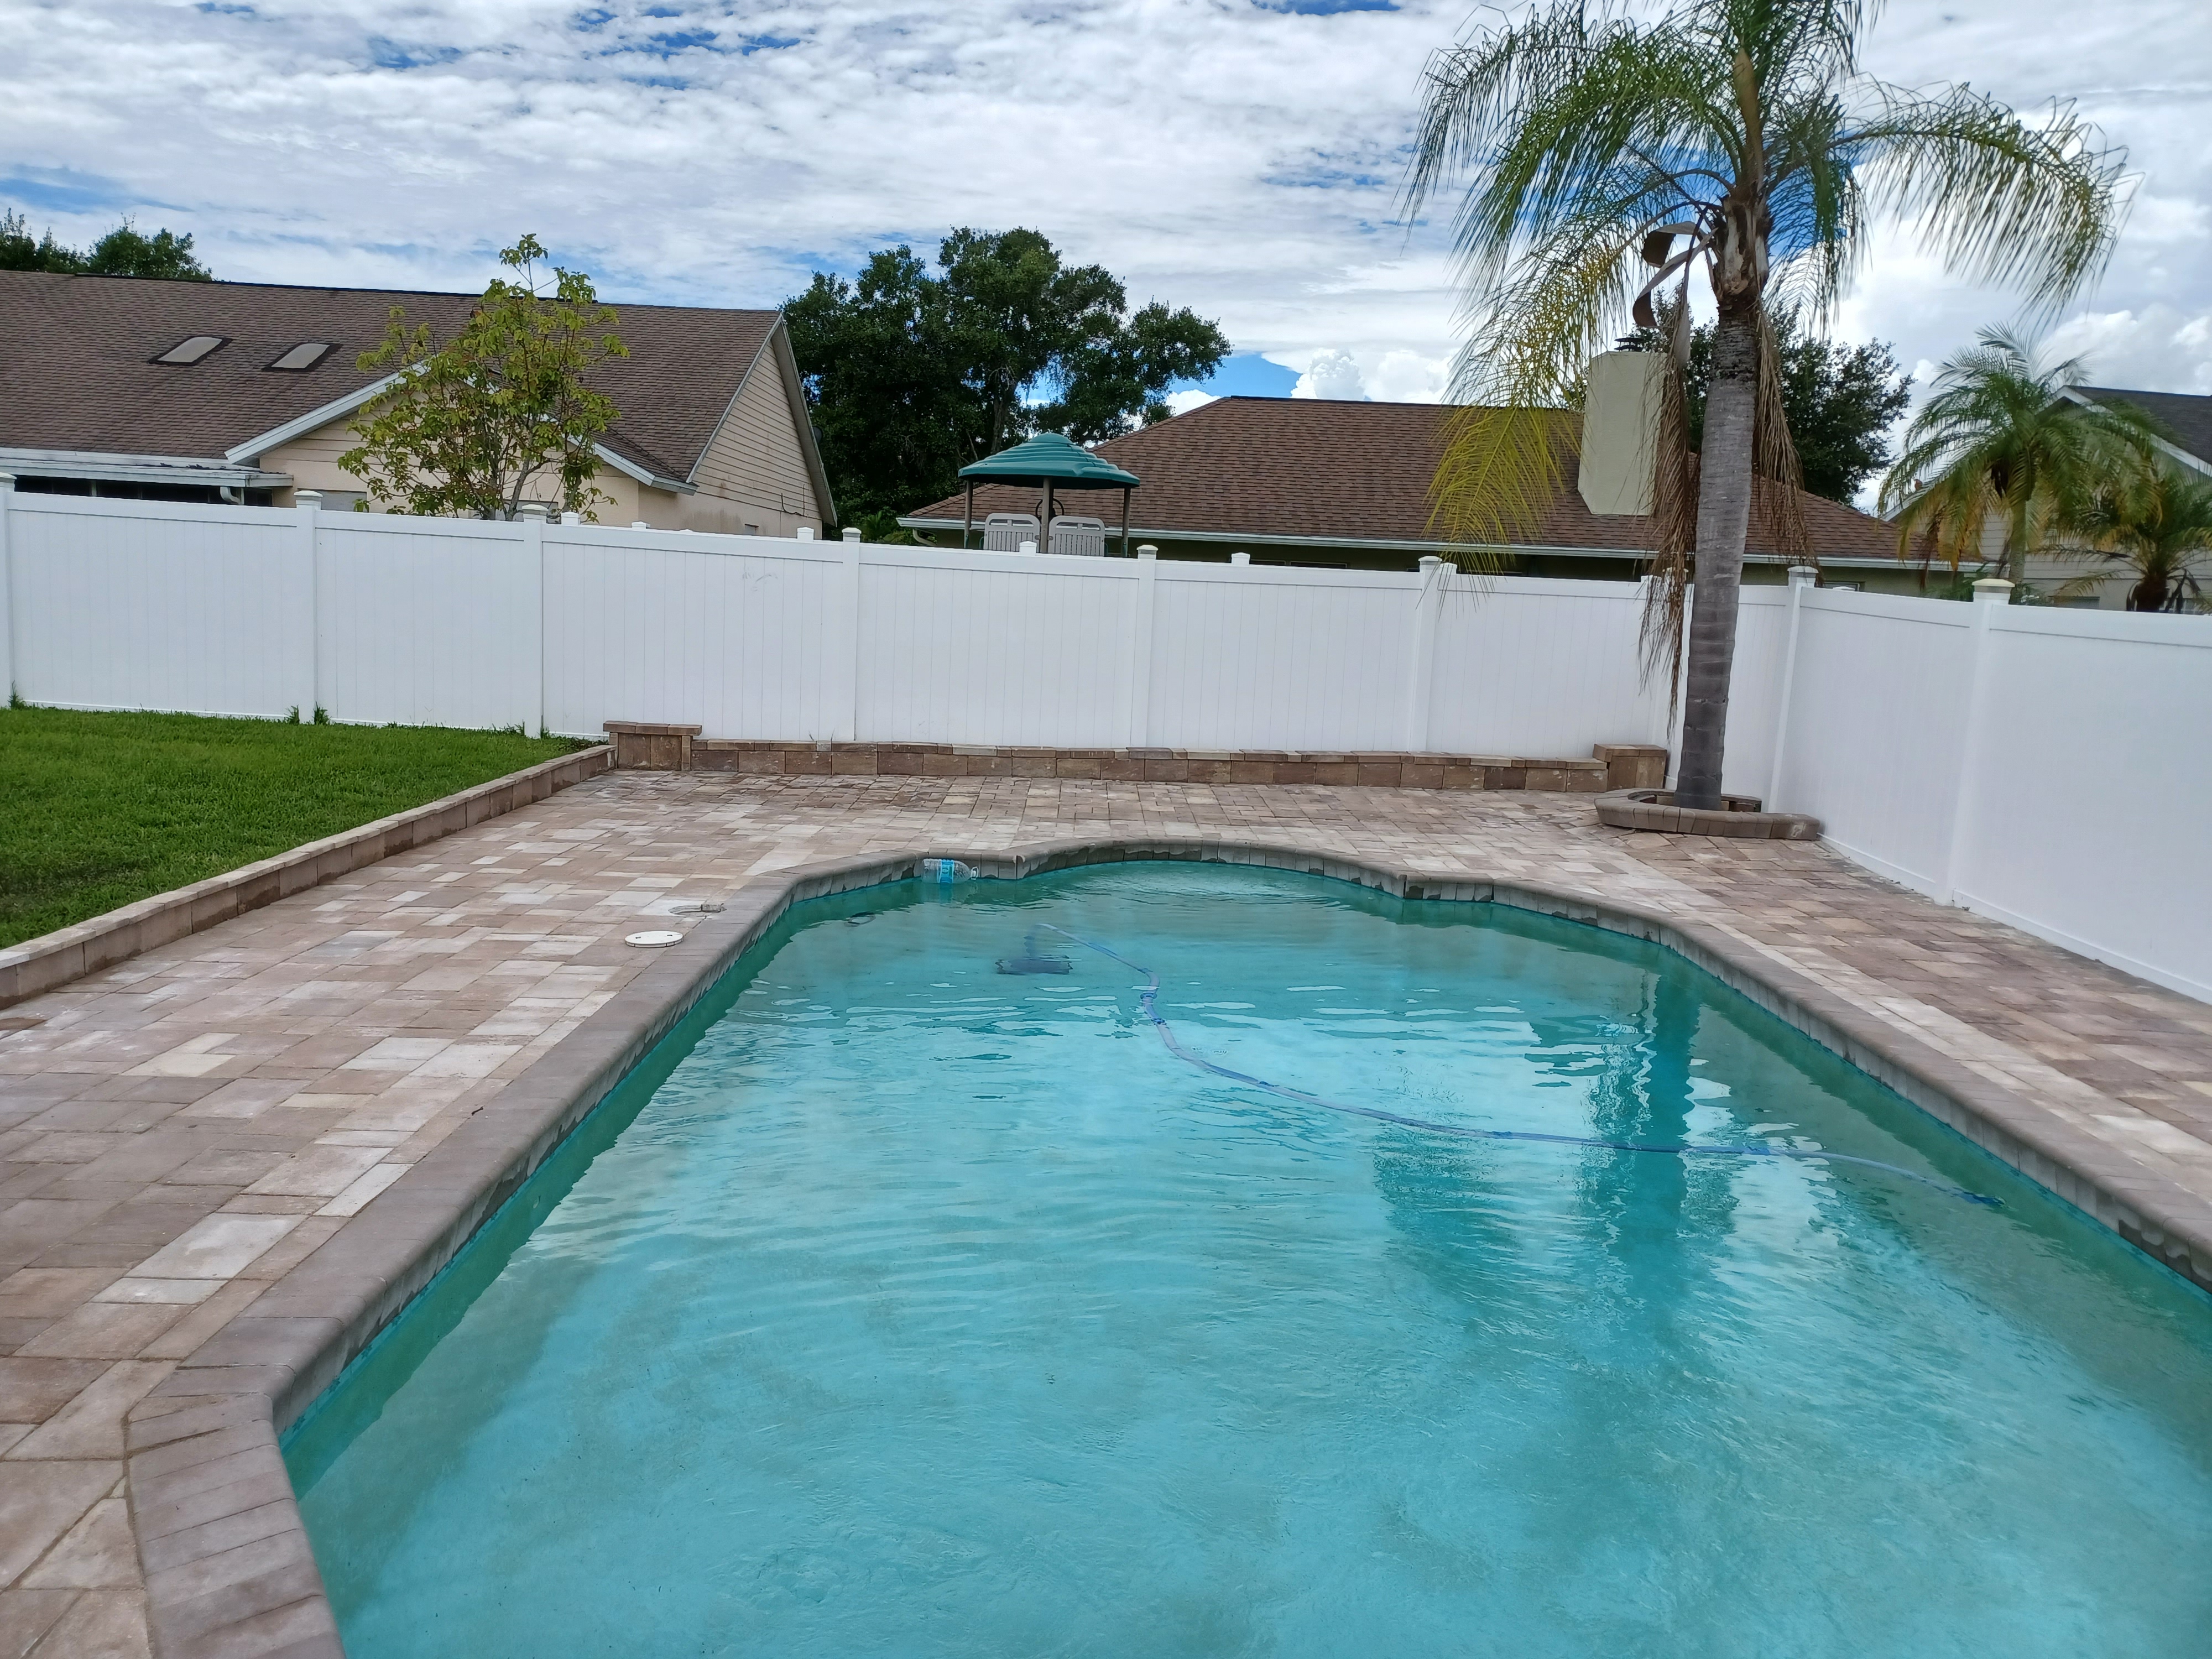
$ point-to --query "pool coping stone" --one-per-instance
(229, 1569)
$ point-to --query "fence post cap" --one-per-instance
(1992, 590)
(1803, 575)
(1240, 557)
(571, 518)
(307, 497)
(1430, 561)
(535, 511)
(851, 535)
(1147, 550)
(7, 481)
(804, 533)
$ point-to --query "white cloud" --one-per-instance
(2156, 348)
(1409, 377)
(1213, 153)
(1182, 403)
(1333, 374)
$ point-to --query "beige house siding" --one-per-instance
(753, 479)
(312, 461)
(753, 472)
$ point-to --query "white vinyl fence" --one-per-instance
(2049, 767)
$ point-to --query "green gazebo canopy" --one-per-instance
(1049, 461)
(1050, 458)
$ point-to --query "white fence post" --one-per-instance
(1421, 671)
(1989, 594)
(308, 688)
(7, 592)
(1137, 697)
(533, 558)
(1802, 578)
(844, 666)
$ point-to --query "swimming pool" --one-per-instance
(903, 1305)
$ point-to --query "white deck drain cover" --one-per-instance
(656, 936)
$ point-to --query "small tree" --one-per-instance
(501, 413)
(2157, 526)
(2000, 443)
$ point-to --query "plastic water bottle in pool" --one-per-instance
(945, 872)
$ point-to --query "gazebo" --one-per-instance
(1049, 459)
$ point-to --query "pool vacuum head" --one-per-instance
(1032, 960)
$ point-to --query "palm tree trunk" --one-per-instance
(1723, 517)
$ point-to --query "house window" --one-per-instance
(191, 350)
(305, 356)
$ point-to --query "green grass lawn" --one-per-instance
(99, 810)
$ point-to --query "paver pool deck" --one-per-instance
(185, 1128)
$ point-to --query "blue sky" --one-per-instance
(1239, 157)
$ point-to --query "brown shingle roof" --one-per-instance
(1315, 468)
(2186, 416)
(74, 373)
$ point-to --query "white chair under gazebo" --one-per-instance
(1004, 532)
(1077, 538)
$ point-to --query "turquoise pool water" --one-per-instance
(902, 1306)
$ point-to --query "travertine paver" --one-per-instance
(185, 1127)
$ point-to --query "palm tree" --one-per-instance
(2157, 524)
(1734, 138)
(2000, 442)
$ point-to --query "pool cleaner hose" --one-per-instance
(1148, 999)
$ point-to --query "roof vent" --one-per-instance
(305, 356)
(191, 350)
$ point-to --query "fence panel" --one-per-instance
(427, 621)
(1261, 656)
(729, 633)
(2089, 792)
(152, 605)
(1544, 668)
(994, 649)
(1876, 723)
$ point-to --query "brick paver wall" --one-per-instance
(180, 1131)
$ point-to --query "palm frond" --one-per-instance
(1503, 464)
(1674, 523)
(2036, 206)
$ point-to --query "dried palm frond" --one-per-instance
(1674, 512)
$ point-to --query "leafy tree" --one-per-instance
(125, 251)
(891, 412)
(2157, 524)
(1734, 139)
(1999, 441)
(914, 373)
(18, 252)
(1840, 400)
(501, 414)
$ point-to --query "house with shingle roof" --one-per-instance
(1318, 481)
(2186, 418)
(246, 392)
